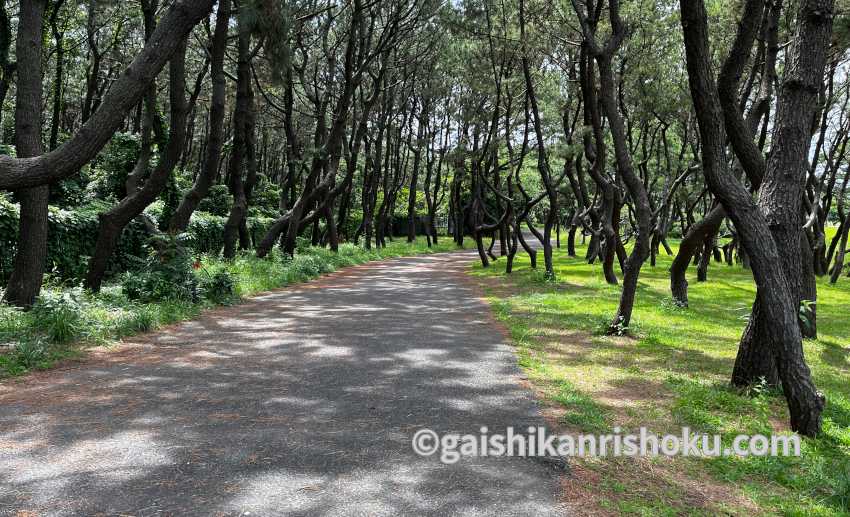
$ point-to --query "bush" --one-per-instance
(59, 315)
(140, 318)
(166, 274)
(265, 200)
(72, 235)
(219, 287)
(217, 202)
(108, 173)
(206, 231)
(28, 354)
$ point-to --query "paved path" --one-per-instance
(298, 402)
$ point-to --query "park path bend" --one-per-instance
(302, 401)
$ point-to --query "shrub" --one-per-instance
(206, 231)
(265, 200)
(28, 354)
(73, 233)
(71, 239)
(217, 286)
(59, 315)
(166, 274)
(139, 318)
(217, 202)
(108, 173)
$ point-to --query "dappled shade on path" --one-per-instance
(298, 402)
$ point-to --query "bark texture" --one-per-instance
(805, 403)
(25, 281)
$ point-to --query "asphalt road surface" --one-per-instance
(299, 402)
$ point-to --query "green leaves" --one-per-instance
(73, 233)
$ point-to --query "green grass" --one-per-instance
(674, 372)
(67, 319)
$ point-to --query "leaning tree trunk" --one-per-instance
(180, 219)
(776, 297)
(124, 94)
(782, 189)
(31, 257)
(643, 211)
(113, 222)
(838, 265)
(689, 246)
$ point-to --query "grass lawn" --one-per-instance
(673, 372)
(70, 319)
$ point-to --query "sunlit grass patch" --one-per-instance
(673, 371)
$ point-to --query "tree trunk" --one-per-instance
(414, 175)
(31, 257)
(59, 80)
(782, 189)
(241, 134)
(125, 93)
(180, 219)
(776, 298)
(7, 66)
(113, 222)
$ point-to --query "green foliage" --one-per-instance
(205, 233)
(29, 354)
(217, 202)
(806, 313)
(59, 315)
(217, 285)
(166, 274)
(352, 222)
(141, 318)
(108, 173)
(265, 199)
(72, 235)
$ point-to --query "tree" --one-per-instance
(776, 295)
(125, 93)
(25, 282)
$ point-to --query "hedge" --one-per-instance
(72, 235)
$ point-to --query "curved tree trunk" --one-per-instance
(113, 222)
(124, 94)
(781, 193)
(777, 299)
(180, 218)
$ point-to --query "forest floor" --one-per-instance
(302, 401)
(673, 371)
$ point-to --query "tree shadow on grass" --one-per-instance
(835, 355)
